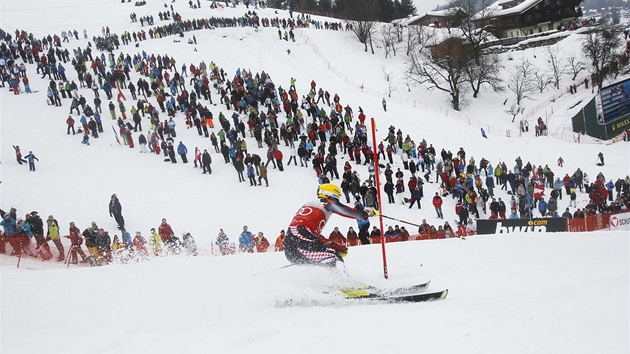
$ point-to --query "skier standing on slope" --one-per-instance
(304, 243)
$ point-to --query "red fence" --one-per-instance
(590, 223)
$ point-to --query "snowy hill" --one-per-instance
(519, 293)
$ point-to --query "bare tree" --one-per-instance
(446, 74)
(361, 15)
(520, 81)
(487, 72)
(557, 63)
(541, 79)
(474, 18)
(417, 38)
(514, 111)
(390, 83)
(574, 66)
(389, 34)
(600, 46)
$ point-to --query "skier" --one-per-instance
(304, 243)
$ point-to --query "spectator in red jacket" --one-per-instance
(437, 203)
(261, 243)
(165, 231)
(70, 121)
(76, 240)
(337, 237)
(278, 156)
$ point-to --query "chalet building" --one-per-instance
(448, 18)
(453, 47)
(518, 18)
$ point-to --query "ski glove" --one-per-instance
(374, 212)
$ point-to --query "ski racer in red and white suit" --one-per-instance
(304, 243)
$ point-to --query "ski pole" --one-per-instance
(403, 221)
(273, 270)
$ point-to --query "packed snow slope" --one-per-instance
(519, 293)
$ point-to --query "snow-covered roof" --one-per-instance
(442, 13)
(506, 7)
(437, 13)
(439, 35)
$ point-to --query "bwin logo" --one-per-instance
(511, 229)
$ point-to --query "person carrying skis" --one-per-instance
(304, 243)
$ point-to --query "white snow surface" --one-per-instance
(517, 293)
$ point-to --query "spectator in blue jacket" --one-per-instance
(182, 151)
(542, 207)
(31, 160)
(558, 185)
(610, 186)
(246, 241)
(9, 225)
(10, 229)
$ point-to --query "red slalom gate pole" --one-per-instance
(20, 251)
(380, 201)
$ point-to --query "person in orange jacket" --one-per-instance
(279, 246)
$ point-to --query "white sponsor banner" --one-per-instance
(620, 221)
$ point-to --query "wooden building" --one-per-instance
(447, 18)
(518, 18)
